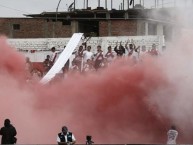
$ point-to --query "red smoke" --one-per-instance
(115, 105)
(111, 105)
(11, 61)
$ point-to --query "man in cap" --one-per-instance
(65, 137)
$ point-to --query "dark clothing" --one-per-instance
(67, 65)
(89, 142)
(119, 51)
(97, 64)
(8, 135)
(47, 64)
(62, 137)
(99, 60)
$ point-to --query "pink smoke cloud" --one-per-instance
(121, 104)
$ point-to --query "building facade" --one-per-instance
(32, 28)
(98, 22)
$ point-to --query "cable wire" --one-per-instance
(14, 9)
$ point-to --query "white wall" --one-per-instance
(42, 46)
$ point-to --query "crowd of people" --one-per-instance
(85, 60)
(66, 137)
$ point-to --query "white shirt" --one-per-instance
(87, 55)
(58, 139)
(53, 55)
(172, 136)
(142, 53)
(135, 54)
(110, 56)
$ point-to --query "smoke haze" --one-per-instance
(124, 103)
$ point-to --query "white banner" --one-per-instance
(63, 58)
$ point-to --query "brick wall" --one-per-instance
(4, 27)
(63, 30)
(124, 28)
(103, 28)
(33, 28)
(40, 28)
(118, 28)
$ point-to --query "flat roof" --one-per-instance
(95, 14)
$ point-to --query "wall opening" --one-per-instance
(89, 28)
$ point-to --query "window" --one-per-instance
(66, 23)
(16, 26)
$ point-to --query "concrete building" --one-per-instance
(97, 22)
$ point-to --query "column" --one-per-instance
(146, 28)
(160, 29)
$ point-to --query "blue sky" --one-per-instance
(16, 8)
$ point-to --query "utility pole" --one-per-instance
(162, 3)
(155, 3)
(86, 4)
(111, 4)
(57, 9)
(123, 4)
(106, 4)
(143, 4)
(54, 25)
(74, 5)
